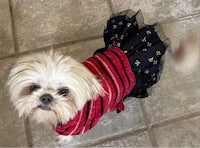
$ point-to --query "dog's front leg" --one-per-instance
(64, 139)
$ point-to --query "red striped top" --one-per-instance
(113, 69)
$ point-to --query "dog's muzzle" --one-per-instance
(46, 100)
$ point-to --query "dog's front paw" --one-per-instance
(63, 139)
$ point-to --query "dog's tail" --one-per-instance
(186, 56)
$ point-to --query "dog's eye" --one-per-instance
(34, 87)
(63, 91)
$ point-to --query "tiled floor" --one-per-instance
(169, 117)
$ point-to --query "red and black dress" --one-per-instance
(144, 46)
(113, 69)
(129, 64)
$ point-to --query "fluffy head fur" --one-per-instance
(69, 83)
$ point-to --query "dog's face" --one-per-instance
(50, 87)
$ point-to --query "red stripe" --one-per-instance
(92, 64)
(113, 85)
(127, 67)
(115, 78)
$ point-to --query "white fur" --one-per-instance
(64, 139)
(51, 71)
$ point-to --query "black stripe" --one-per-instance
(116, 71)
(102, 107)
(91, 123)
(64, 131)
(123, 67)
(118, 111)
(87, 112)
(77, 132)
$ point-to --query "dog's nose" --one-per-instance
(46, 99)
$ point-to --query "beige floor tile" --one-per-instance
(12, 132)
(159, 10)
(138, 140)
(180, 134)
(6, 38)
(83, 50)
(42, 23)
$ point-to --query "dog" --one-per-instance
(50, 87)
(53, 88)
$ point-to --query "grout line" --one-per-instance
(116, 137)
(75, 41)
(147, 122)
(8, 56)
(149, 128)
(28, 133)
(15, 43)
(53, 46)
(111, 7)
(179, 19)
(65, 44)
(152, 137)
(176, 119)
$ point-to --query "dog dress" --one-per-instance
(144, 46)
(117, 79)
(130, 63)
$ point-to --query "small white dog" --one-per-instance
(50, 87)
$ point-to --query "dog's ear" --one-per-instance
(84, 85)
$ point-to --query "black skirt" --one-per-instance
(144, 46)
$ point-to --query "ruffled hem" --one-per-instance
(130, 13)
(140, 22)
(163, 37)
(128, 31)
